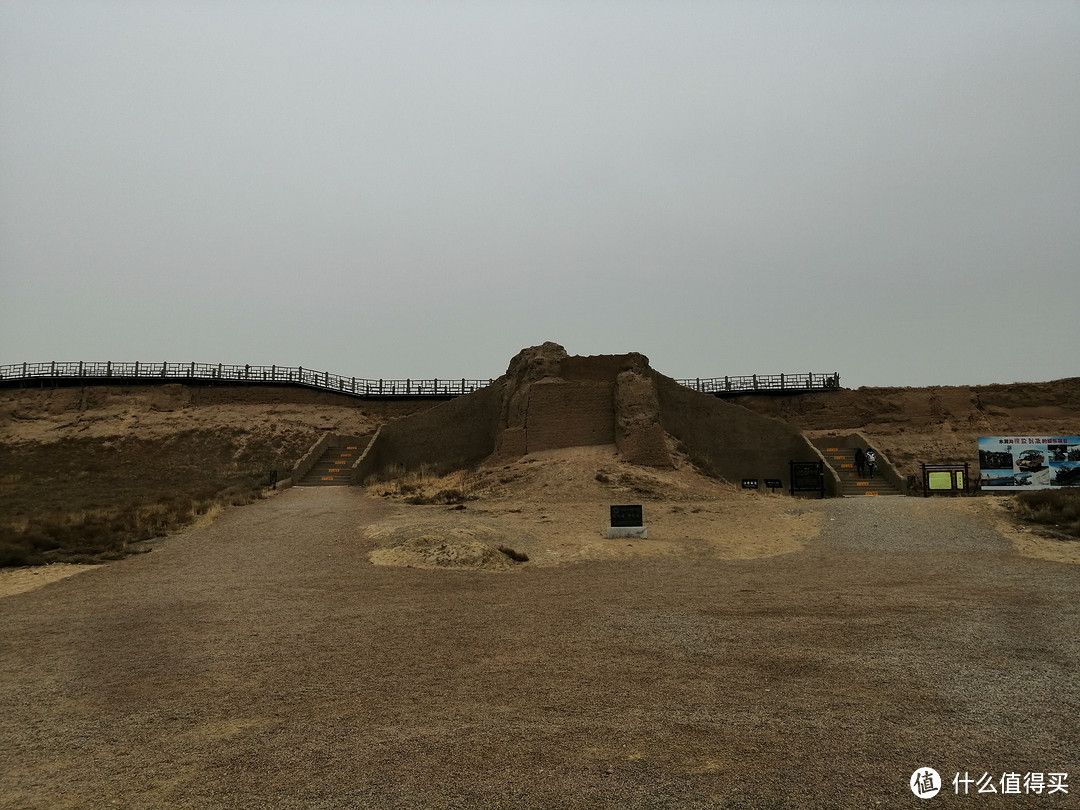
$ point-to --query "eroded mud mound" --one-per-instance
(429, 545)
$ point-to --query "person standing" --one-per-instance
(871, 460)
(860, 461)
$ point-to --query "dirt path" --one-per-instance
(262, 661)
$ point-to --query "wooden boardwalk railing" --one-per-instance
(94, 373)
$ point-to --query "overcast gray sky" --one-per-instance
(890, 190)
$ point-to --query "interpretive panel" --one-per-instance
(1029, 462)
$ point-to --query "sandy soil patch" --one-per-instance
(553, 507)
(1028, 540)
(20, 580)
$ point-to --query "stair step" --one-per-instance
(333, 469)
(852, 485)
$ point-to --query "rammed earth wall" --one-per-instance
(729, 440)
(548, 401)
(569, 414)
(455, 434)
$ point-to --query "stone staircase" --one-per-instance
(333, 467)
(842, 459)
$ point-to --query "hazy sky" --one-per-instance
(890, 190)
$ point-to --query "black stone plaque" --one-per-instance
(807, 476)
(749, 483)
(773, 483)
(626, 516)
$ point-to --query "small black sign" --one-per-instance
(626, 516)
(749, 483)
(773, 483)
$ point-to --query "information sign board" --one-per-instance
(1011, 463)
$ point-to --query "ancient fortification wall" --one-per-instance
(549, 400)
(728, 440)
(569, 414)
(455, 434)
(639, 436)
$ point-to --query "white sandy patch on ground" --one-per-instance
(554, 507)
(20, 580)
(1027, 539)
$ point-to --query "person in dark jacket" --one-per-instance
(871, 460)
(860, 461)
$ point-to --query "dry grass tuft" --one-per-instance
(425, 487)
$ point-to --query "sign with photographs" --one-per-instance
(1029, 462)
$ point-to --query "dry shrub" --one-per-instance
(1055, 508)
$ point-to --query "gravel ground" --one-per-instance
(263, 662)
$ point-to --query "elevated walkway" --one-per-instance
(68, 374)
(59, 375)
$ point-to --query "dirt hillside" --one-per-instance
(103, 412)
(911, 425)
